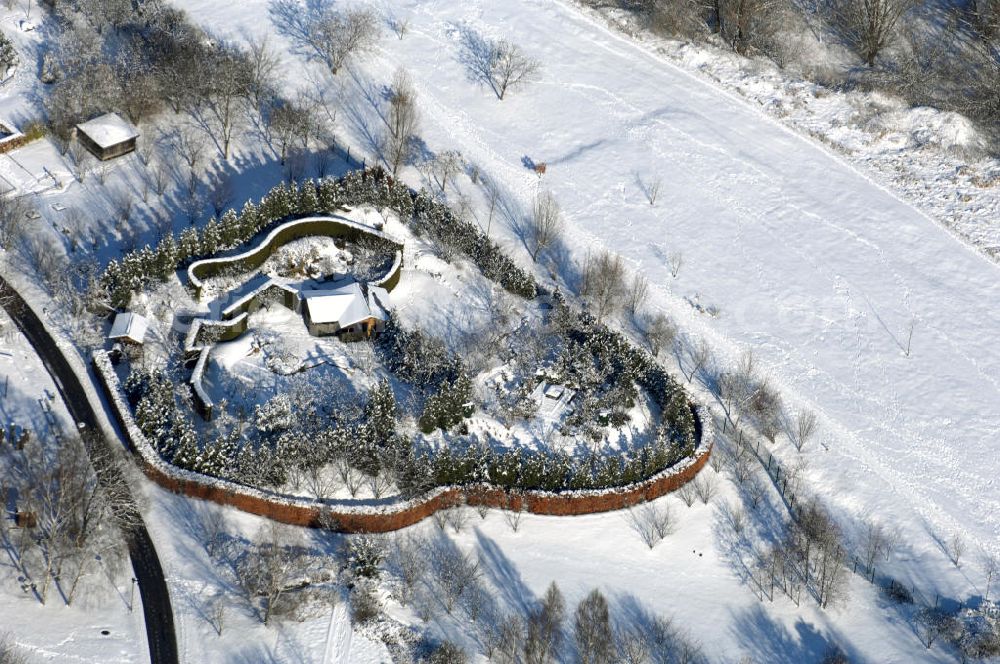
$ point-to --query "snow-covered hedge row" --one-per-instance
(330, 226)
(393, 513)
(374, 187)
(202, 401)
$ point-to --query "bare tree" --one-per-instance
(871, 25)
(767, 409)
(687, 493)
(652, 189)
(454, 572)
(873, 542)
(749, 25)
(401, 122)
(160, 177)
(456, 517)
(325, 33)
(592, 629)
(510, 68)
(290, 123)
(221, 193)
(445, 166)
(226, 98)
(216, 612)
(9, 652)
(408, 560)
(705, 487)
(74, 534)
(805, 427)
(603, 283)
(513, 512)
(675, 260)
(956, 549)
(637, 292)
(991, 565)
(695, 357)
(659, 332)
(932, 623)
(545, 226)
(189, 143)
(262, 71)
(13, 219)
(651, 521)
(400, 25)
(269, 569)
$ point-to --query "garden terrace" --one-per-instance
(366, 436)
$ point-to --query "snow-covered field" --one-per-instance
(822, 260)
(810, 261)
(813, 264)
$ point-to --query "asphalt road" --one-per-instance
(146, 565)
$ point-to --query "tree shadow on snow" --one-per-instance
(765, 640)
(504, 576)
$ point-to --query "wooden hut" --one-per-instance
(107, 136)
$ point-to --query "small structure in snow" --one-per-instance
(552, 400)
(130, 328)
(350, 310)
(107, 136)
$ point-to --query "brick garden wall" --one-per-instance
(386, 518)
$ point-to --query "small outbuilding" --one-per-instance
(129, 328)
(352, 311)
(553, 400)
(107, 136)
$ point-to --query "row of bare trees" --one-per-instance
(433, 574)
(949, 59)
(70, 528)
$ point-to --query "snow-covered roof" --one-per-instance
(108, 130)
(129, 326)
(552, 399)
(346, 304)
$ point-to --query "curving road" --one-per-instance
(158, 615)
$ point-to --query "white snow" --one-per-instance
(805, 247)
(805, 256)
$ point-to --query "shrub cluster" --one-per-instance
(436, 220)
(138, 269)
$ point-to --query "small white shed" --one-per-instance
(130, 328)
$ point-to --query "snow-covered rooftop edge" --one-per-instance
(151, 459)
(336, 219)
(108, 130)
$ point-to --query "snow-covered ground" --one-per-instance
(810, 261)
(805, 246)
(56, 632)
(195, 582)
(813, 264)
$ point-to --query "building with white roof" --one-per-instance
(107, 136)
(130, 328)
(553, 400)
(350, 310)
